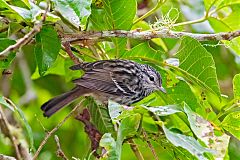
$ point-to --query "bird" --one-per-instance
(122, 81)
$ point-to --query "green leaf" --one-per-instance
(14, 28)
(231, 123)
(56, 69)
(225, 3)
(76, 12)
(198, 65)
(144, 52)
(218, 4)
(97, 21)
(175, 95)
(228, 23)
(209, 3)
(204, 130)
(162, 110)
(27, 126)
(218, 25)
(114, 109)
(236, 87)
(46, 49)
(4, 102)
(22, 12)
(110, 145)
(120, 14)
(22, 117)
(234, 44)
(99, 116)
(186, 142)
(128, 127)
(6, 61)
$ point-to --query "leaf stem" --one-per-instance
(135, 149)
(159, 4)
(227, 109)
(191, 22)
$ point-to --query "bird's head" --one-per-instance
(152, 79)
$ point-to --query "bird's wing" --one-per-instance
(109, 76)
(106, 81)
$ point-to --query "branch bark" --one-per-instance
(28, 37)
(146, 35)
(4, 157)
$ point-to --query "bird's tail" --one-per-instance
(56, 103)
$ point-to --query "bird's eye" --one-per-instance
(151, 78)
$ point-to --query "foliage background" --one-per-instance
(39, 71)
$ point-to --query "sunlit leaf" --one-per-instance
(115, 109)
(186, 142)
(198, 64)
(23, 12)
(231, 123)
(76, 12)
(119, 15)
(110, 145)
(236, 86)
(46, 49)
(225, 3)
(204, 130)
(227, 24)
(164, 110)
(209, 3)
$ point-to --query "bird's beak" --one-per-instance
(162, 89)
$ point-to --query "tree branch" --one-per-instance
(4, 157)
(49, 134)
(28, 37)
(146, 35)
(70, 53)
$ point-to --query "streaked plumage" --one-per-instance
(122, 81)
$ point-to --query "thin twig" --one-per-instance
(70, 53)
(4, 126)
(28, 37)
(49, 134)
(150, 145)
(59, 152)
(135, 149)
(150, 34)
(191, 22)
